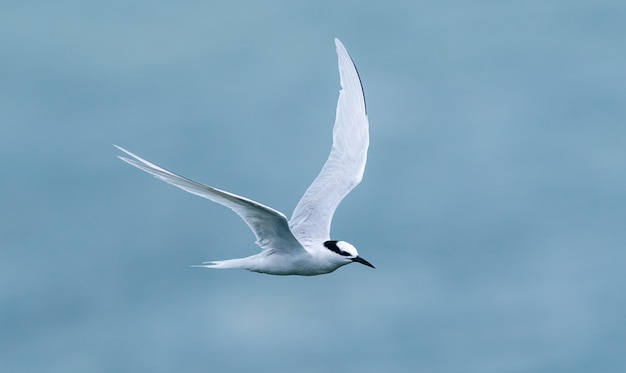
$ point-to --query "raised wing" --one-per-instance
(269, 226)
(344, 168)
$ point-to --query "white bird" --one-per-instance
(302, 245)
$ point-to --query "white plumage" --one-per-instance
(302, 245)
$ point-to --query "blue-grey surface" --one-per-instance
(493, 205)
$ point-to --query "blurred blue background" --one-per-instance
(493, 204)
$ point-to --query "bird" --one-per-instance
(302, 244)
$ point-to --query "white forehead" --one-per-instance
(344, 246)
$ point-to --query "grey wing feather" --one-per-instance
(343, 170)
(269, 226)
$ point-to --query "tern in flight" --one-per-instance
(301, 245)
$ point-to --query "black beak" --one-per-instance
(358, 259)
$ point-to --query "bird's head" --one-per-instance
(346, 251)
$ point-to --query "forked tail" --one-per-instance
(224, 264)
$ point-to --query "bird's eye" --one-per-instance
(332, 246)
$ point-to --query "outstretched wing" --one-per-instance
(269, 226)
(344, 168)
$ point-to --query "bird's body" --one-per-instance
(302, 245)
(310, 262)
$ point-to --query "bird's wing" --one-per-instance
(269, 226)
(344, 168)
